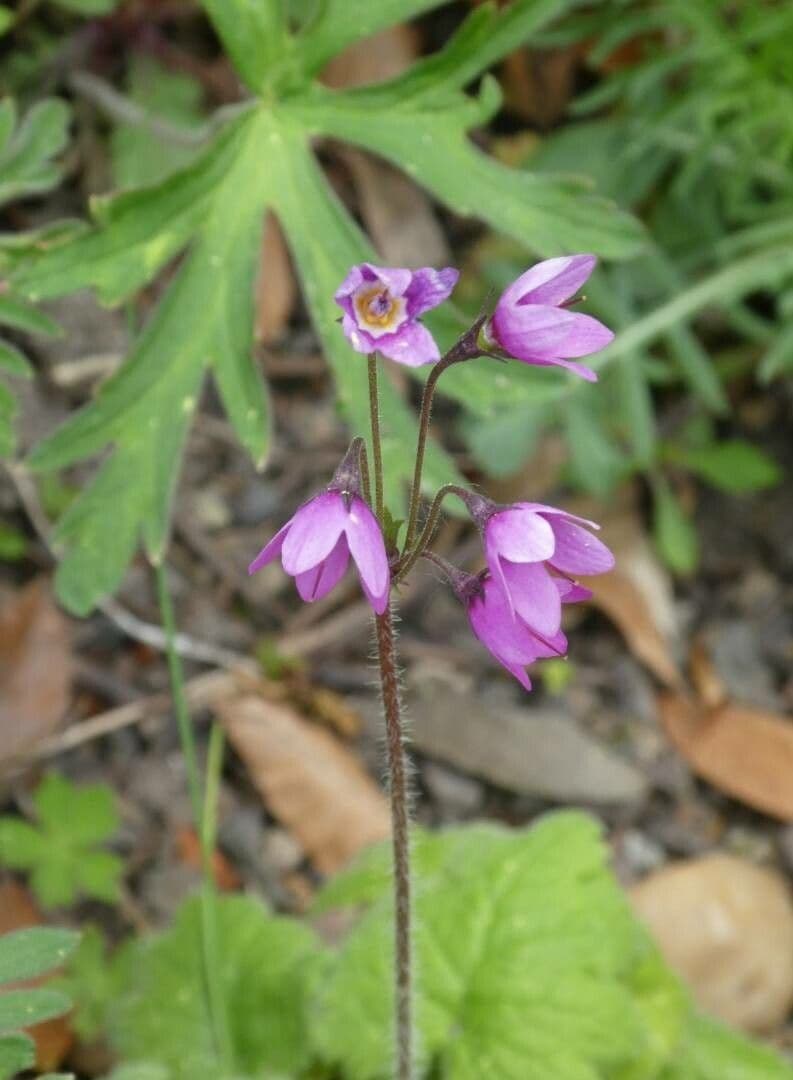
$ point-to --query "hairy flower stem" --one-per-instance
(398, 784)
(204, 810)
(377, 453)
(410, 558)
(466, 348)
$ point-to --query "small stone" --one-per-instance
(726, 927)
(531, 750)
(640, 852)
(281, 851)
(240, 834)
(736, 654)
(459, 796)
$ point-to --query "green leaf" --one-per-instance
(734, 466)
(779, 356)
(26, 165)
(13, 543)
(89, 7)
(501, 444)
(432, 146)
(595, 463)
(254, 36)
(7, 19)
(24, 1008)
(712, 1052)
(60, 852)
(84, 815)
(24, 954)
(21, 846)
(206, 320)
(524, 925)
(674, 534)
(91, 980)
(17, 1053)
(139, 156)
(341, 22)
(22, 316)
(323, 255)
(13, 361)
(266, 962)
(8, 408)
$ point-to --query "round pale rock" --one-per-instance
(726, 927)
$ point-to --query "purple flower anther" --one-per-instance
(531, 323)
(381, 307)
(315, 545)
(523, 542)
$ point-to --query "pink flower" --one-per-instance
(500, 629)
(526, 540)
(531, 323)
(315, 545)
(511, 641)
(381, 307)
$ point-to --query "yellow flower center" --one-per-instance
(377, 309)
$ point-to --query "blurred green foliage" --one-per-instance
(60, 850)
(531, 966)
(28, 954)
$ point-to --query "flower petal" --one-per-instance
(538, 333)
(317, 582)
(585, 336)
(429, 288)
(412, 345)
(351, 282)
(555, 280)
(577, 369)
(577, 551)
(571, 592)
(531, 332)
(271, 550)
(520, 535)
(358, 338)
(534, 596)
(367, 548)
(315, 529)
(395, 279)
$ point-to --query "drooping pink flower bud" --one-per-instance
(530, 322)
(381, 307)
(523, 542)
(499, 628)
(315, 545)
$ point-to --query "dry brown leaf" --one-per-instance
(276, 288)
(705, 678)
(744, 751)
(726, 926)
(188, 848)
(53, 1038)
(35, 669)
(378, 58)
(398, 215)
(622, 601)
(637, 595)
(310, 781)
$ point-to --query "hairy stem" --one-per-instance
(410, 558)
(397, 769)
(204, 809)
(377, 452)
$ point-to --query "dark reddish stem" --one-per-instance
(400, 838)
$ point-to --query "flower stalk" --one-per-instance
(203, 800)
(400, 841)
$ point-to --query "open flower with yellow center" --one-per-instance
(382, 305)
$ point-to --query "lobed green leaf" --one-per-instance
(24, 954)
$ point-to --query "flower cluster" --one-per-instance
(534, 553)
